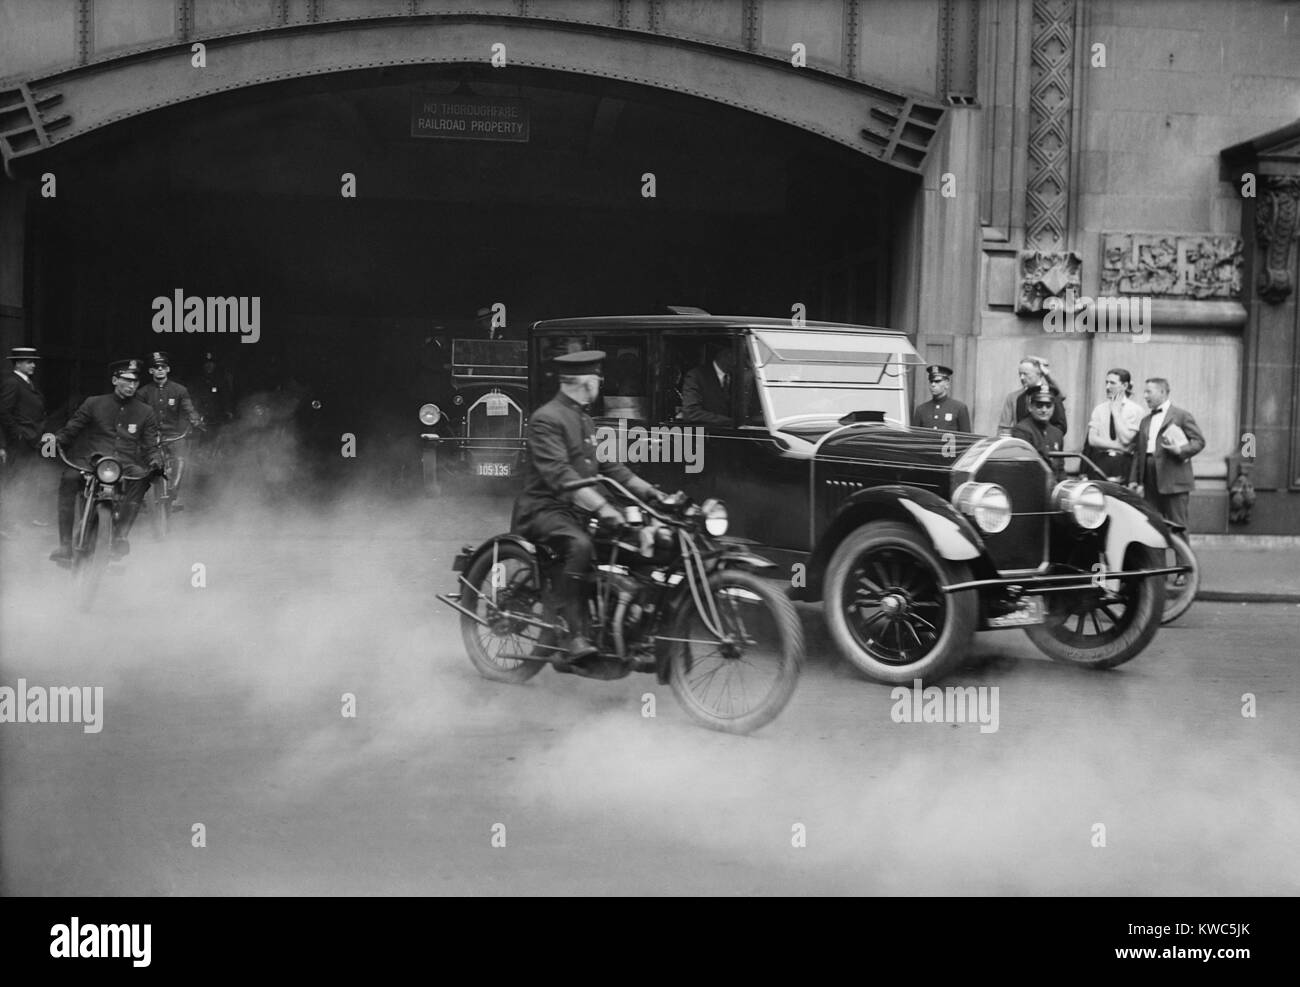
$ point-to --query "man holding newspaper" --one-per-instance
(1167, 440)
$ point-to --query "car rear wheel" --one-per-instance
(885, 608)
(1102, 627)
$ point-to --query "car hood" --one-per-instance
(885, 443)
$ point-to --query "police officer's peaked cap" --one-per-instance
(23, 353)
(584, 362)
(126, 368)
(1043, 393)
(159, 359)
(937, 370)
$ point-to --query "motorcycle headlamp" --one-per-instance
(430, 414)
(987, 503)
(1083, 500)
(632, 514)
(108, 470)
(715, 516)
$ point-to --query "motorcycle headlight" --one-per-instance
(715, 516)
(987, 503)
(108, 470)
(430, 414)
(632, 514)
(1083, 500)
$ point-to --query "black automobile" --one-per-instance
(475, 423)
(914, 539)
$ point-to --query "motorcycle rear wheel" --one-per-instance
(755, 675)
(500, 651)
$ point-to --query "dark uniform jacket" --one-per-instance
(22, 411)
(108, 425)
(703, 399)
(1044, 439)
(946, 416)
(169, 403)
(561, 448)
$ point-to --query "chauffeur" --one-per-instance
(561, 444)
(116, 424)
(941, 412)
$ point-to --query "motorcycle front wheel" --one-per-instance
(740, 679)
(89, 564)
(503, 591)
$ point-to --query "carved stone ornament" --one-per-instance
(1046, 274)
(1276, 228)
(1171, 265)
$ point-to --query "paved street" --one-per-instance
(222, 707)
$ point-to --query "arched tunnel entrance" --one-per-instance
(244, 196)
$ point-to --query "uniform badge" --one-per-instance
(171, 400)
(947, 416)
(131, 429)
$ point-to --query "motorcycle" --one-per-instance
(669, 596)
(95, 521)
(162, 493)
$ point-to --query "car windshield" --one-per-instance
(827, 373)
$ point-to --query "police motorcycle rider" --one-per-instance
(561, 443)
(170, 401)
(119, 425)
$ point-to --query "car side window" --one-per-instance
(692, 385)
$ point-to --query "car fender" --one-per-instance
(952, 535)
(1130, 519)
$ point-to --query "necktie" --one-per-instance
(726, 382)
(1112, 423)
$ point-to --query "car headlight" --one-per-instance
(987, 503)
(430, 414)
(715, 516)
(108, 470)
(1083, 500)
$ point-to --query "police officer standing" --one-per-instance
(119, 425)
(561, 445)
(941, 412)
(170, 402)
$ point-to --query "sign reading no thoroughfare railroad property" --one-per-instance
(469, 118)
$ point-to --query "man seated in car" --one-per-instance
(706, 390)
(1037, 429)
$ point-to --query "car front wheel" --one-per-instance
(1102, 627)
(886, 610)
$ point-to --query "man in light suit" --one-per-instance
(1162, 469)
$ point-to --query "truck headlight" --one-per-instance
(108, 470)
(1083, 500)
(430, 414)
(715, 516)
(987, 503)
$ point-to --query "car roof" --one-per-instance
(701, 323)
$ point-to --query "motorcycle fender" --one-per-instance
(748, 560)
(486, 549)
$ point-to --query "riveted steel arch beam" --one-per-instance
(892, 126)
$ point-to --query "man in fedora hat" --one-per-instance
(22, 420)
(941, 412)
(174, 410)
(562, 448)
(116, 424)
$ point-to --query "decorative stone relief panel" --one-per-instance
(1277, 225)
(1046, 274)
(1171, 265)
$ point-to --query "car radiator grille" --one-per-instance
(1023, 544)
(481, 425)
